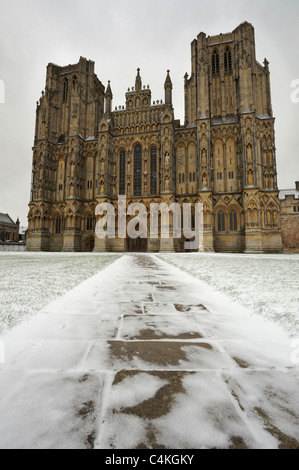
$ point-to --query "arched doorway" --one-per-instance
(139, 229)
(137, 245)
(89, 245)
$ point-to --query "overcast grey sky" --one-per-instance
(120, 36)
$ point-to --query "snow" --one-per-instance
(208, 418)
(30, 281)
(131, 392)
(40, 408)
(267, 285)
(109, 365)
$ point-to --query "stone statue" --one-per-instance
(166, 161)
(166, 183)
(250, 178)
(102, 187)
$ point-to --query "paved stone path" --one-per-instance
(143, 356)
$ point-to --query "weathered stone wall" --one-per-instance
(290, 232)
(289, 220)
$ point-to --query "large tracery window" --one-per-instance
(215, 63)
(153, 170)
(58, 225)
(221, 221)
(122, 173)
(227, 61)
(89, 223)
(137, 170)
(233, 221)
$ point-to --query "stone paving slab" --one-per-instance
(144, 356)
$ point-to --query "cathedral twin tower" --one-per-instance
(223, 156)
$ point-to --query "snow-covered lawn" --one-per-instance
(265, 284)
(143, 355)
(30, 281)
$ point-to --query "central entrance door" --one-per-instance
(138, 245)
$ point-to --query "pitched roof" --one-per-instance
(5, 219)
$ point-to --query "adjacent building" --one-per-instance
(223, 154)
(290, 219)
(9, 230)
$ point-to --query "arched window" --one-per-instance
(233, 221)
(215, 63)
(153, 170)
(89, 223)
(192, 221)
(221, 221)
(227, 61)
(58, 225)
(65, 89)
(137, 170)
(122, 173)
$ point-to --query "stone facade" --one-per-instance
(290, 219)
(222, 156)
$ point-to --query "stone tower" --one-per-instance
(228, 98)
(67, 116)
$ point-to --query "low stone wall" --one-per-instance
(12, 247)
(290, 232)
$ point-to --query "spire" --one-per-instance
(266, 65)
(108, 91)
(108, 97)
(168, 82)
(168, 89)
(138, 83)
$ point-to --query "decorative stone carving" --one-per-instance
(166, 161)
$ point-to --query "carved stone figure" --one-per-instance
(222, 154)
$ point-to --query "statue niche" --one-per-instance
(250, 178)
(166, 185)
(204, 157)
(166, 161)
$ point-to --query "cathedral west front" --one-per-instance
(86, 153)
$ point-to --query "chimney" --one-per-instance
(297, 185)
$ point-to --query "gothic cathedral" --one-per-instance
(223, 155)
